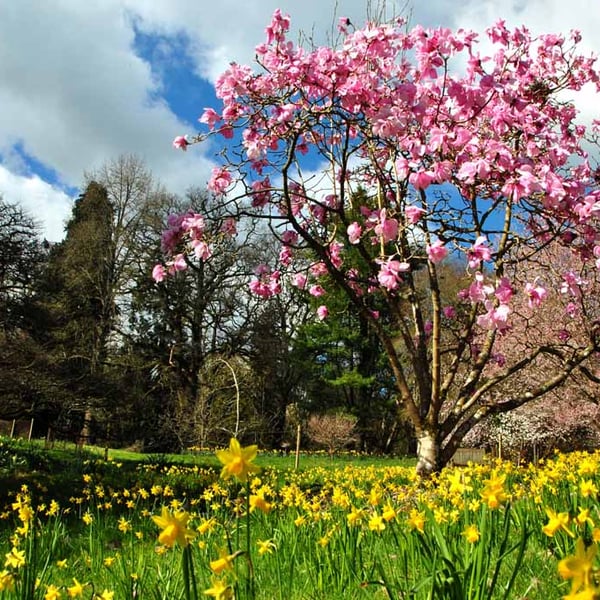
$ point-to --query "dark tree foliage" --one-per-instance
(77, 308)
(21, 257)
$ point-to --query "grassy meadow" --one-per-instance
(236, 525)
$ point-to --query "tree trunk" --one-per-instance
(428, 454)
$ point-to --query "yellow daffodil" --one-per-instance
(174, 528)
(376, 523)
(15, 558)
(471, 534)
(224, 562)
(106, 595)
(355, 516)
(257, 501)
(76, 590)
(52, 593)
(416, 520)
(578, 567)
(266, 546)
(237, 461)
(219, 590)
(124, 525)
(389, 513)
(300, 520)
(556, 522)
(7, 581)
(206, 526)
(588, 488)
(493, 493)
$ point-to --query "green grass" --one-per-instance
(318, 553)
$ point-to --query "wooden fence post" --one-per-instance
(297, 461)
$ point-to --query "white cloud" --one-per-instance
(74, 94)
(47, 205)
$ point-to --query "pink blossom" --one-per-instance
(449, 312)
(354, 232)
(413, 214)
(389, 273)
(285, 256)
(226, 131)
(421, 180)
(316, 291)
(180, 143)
(536, 294)
(267, 283)
(496, 317)
(437, 252)
(179, 263)
(504, 290)
(289, 236)
(564, 335)
(220, 180)
(572, 309)
(572, 284)
(402, 168)
(194, 224)
(387, 228)
(318, 269)
(299, 280)
(478, 291)
(210, 117)
(201, 250)
(322, 312)
(596, 252)
(499, 359)
(261, 192)
(479, 252)
(229, 226)
(158, 273)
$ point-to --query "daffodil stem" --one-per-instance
(250, 581)
(185, 564)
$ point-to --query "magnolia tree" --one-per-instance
(378, 159)
(565, 417)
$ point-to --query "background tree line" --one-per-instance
(92, 346)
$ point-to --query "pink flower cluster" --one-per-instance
(387, 97)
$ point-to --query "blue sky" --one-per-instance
(83, 82)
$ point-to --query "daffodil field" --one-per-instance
(493, 530)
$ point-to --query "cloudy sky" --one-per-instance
(84, 82)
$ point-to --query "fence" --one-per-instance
(17, 428)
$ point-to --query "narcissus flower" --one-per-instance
(52, 593)
(556, 521)
(471, 534)
(493, 493)
(76, 590)
(174, 528)
(15, 558)
(237, 461)
(219, 590)
(258, 502)
(7, 581)
(578, 568)
(224, 562)
(265, 546)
